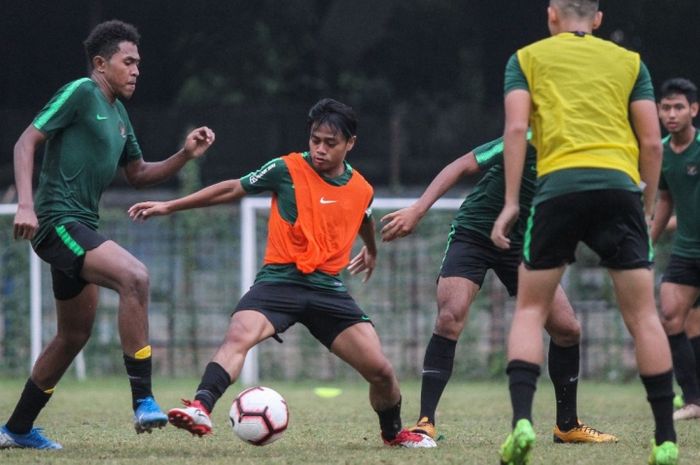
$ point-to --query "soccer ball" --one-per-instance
(259, 415)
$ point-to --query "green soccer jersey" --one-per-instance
(482, 206)
(680, 176)
(274, 177)
(88, 138)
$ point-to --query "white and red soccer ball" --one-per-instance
(259, 415)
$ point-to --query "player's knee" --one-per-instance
(672, 320)
(239, 339)
(568, 335)
(450, 322)
(672, 325)
(74, 339)
(136, 280)
(381, 374)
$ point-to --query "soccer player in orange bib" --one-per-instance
(319, 205)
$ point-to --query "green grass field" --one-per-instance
(93, 422)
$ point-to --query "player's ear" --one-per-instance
(598, 20)
(98, 63)
(694, 109)
(351, 143)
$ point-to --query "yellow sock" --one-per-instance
(143, 353)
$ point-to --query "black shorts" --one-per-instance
(470, 255)
(609, 221)
(64, 249)
(683, 270)
(325, 313)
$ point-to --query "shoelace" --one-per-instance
(589, 429)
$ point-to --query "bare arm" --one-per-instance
(664, 210)
(517, 109)
(140, 173)
(223, 192)
(366, 260)
(402, 222)
(672, 224)
(26, 223)
(645, 122)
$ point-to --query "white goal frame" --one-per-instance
(250, 375)
(35, 304)
(34, 294)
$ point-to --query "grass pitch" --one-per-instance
(93, 422)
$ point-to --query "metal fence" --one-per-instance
(193, 259)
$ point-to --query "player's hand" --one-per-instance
(144, 210)
(503, 224)
(25, 224)
(400, 223)
(198, 141)
(363, 262)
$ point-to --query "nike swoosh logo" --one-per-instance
(429, 371)
(100, 117)
(326, 202)
(365, 318)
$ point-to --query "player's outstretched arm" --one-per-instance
(517, 109)
(403, 222)
(26, 223)
(140, 173)
(223, 192)
(366, 260)
(662, 215)
(645, 120)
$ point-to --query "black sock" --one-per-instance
(214, 383)
(522, 382)
(437, 369)
(684, 366)
(139, 373)
(30, 403)
(660, 396)
(695, 343)
(390, 421)
(563, 370)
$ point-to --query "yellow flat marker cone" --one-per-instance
(327, 392)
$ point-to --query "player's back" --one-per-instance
(580, 87)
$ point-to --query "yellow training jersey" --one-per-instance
(580, 87)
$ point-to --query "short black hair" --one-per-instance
(105, 38)
(679, 86)
(578, 8)
(337, 115)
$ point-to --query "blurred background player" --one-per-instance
(692, 327)
(88, 138)
(319, 206)
(679, 189)
(469, 255)
(591, 107)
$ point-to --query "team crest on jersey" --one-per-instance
(691, 170)
(122, 130)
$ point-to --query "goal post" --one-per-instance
(34, 294)
(35, 304)
(250, 262)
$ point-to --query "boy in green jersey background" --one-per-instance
(469, 255)
(679, 190)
